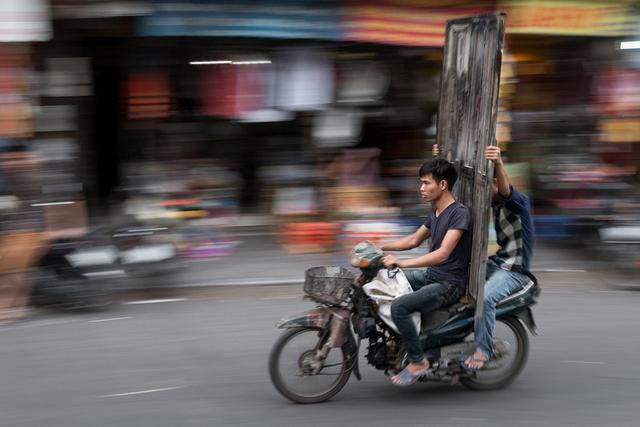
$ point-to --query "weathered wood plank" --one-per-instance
(467, 123)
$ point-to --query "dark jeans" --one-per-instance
(428, 296)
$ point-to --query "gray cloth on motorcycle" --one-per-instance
(364, 250)
(384, 289)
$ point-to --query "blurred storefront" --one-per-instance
(22, 213)
(30, 123)
(578, 154)
(203, 111)
(317, 114)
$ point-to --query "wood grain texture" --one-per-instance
(467, 123)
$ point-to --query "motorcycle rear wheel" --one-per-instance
(290, 391)
(481, 382)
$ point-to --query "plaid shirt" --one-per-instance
(514, 231)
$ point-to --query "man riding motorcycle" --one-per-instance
(319, 349)
(444, 282)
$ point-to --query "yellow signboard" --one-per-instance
(580, 17)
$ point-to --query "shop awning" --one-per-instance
(404, 22)
(302, 19)
(394, 22)
(570, 17)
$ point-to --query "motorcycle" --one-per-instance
(319, 349)
(83, 273)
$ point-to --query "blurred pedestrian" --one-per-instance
(21, 228)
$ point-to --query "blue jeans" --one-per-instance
(500, 284)
(428, 296)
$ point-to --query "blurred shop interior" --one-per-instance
(310, 119)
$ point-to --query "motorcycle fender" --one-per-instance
(317, 317)
(526, 317)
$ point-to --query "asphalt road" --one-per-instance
(199, 358)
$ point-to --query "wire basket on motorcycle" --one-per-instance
(328, 285)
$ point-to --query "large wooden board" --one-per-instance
(467, 123)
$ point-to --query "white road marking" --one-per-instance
(582, 362)
(138, 230)
(52, 204)
(155, 301)
(279, 298)
(105, 273)
(109, 320)
(153, 390)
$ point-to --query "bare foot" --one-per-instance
(476, 361)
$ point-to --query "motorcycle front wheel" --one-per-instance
(511, 349)
(295, 373)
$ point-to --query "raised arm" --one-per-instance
(494, 154)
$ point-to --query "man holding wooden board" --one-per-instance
(508, 268)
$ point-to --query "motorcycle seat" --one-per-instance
(438, 317)
(434, 318)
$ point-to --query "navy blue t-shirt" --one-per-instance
(454, 270)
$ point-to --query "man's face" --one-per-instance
(430, 189)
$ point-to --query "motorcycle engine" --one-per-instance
(378, 355)
(383, 348)
(365, 322)
(366, 327)
(382, 352)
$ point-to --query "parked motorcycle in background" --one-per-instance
(318, 351)
(84, 272)
(157, 226)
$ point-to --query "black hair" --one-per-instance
(440, 169)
